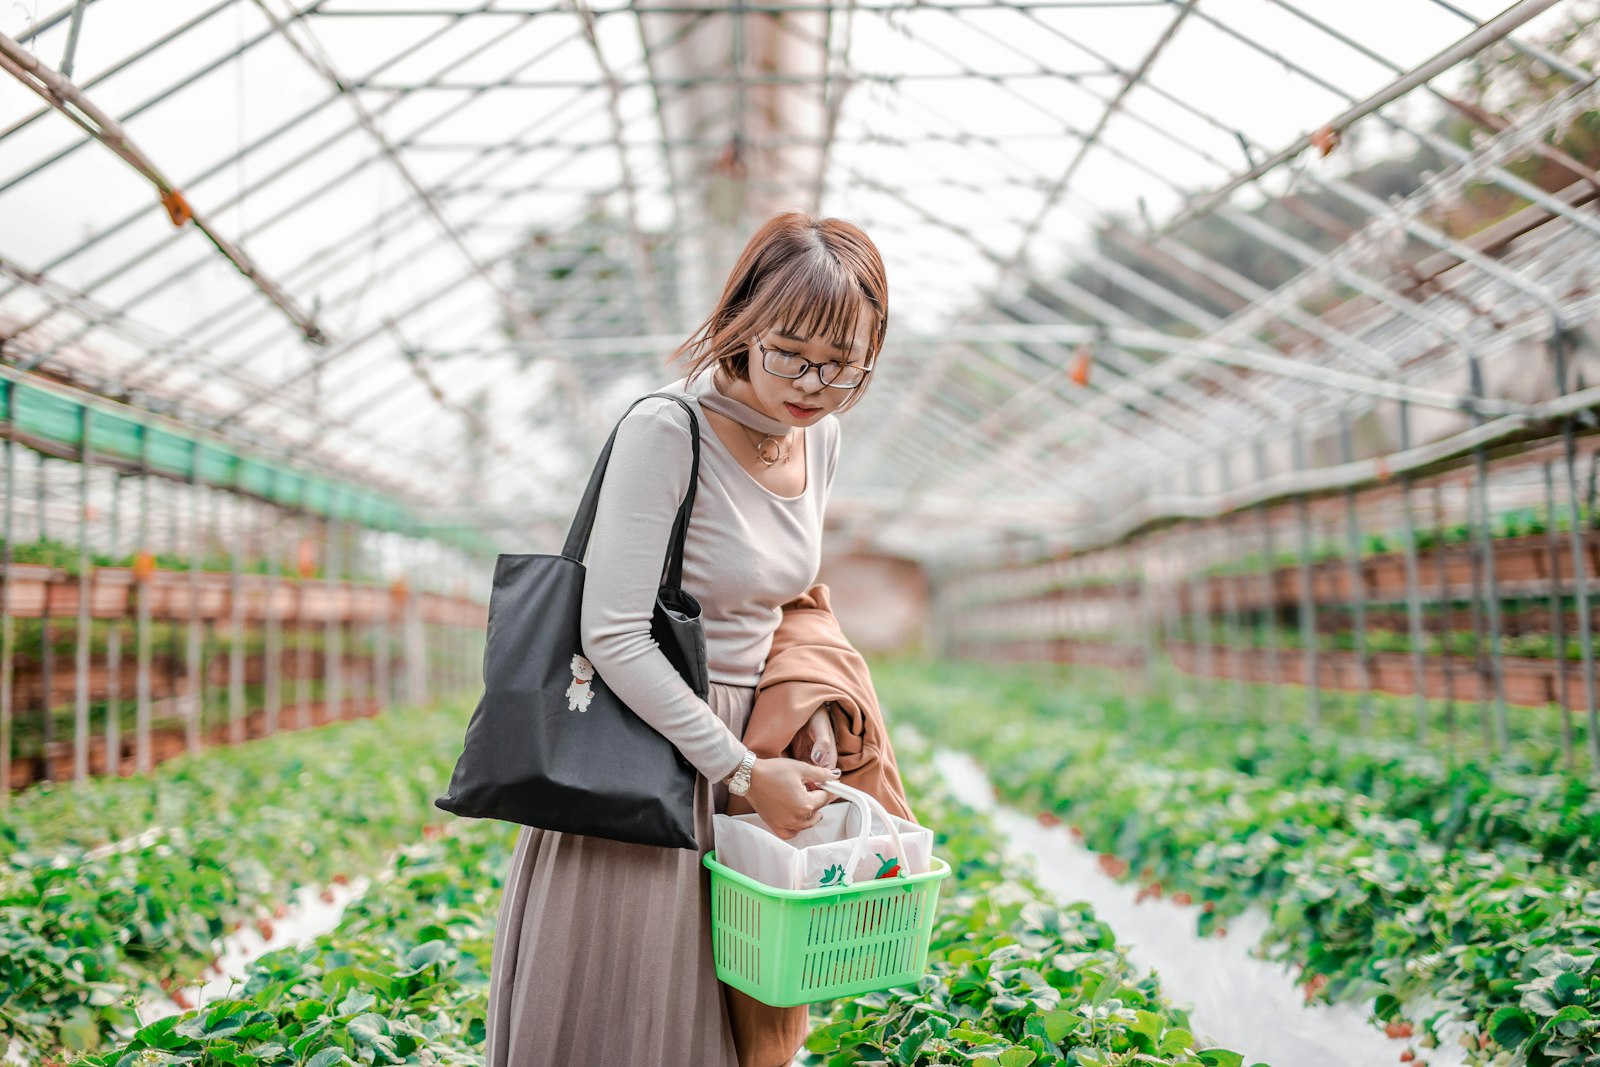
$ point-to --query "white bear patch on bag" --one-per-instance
(580, 692)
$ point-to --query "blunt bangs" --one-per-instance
(805, 277)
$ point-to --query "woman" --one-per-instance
(602, 954)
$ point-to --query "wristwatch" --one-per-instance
(739, 780)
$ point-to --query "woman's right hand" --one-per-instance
(783, 794)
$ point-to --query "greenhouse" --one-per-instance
(1204, 604)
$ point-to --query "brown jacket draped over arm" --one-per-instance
(811, 664)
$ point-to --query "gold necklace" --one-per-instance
(774, 454)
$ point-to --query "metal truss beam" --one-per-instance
(66, 98)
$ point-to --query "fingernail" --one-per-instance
(816, 754)
(836, 772)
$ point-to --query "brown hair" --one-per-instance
(807, 277)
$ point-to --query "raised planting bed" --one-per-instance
(37, 590)
(1450, 892)
(1522, 565)
(238, 831)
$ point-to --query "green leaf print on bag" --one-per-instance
(834, 875)
(888, 868)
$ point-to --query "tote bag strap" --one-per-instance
(867, 806)
(583, 522)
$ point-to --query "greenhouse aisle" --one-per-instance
(1241, 1002)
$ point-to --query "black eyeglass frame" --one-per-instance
(767, 353)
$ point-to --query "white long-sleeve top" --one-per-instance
(748, 552)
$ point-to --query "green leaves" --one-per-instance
(90, 915)
(1013, 978)
(1388, 874)
(374, 991)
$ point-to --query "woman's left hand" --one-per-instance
(814, 743)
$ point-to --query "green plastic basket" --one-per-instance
(796, 946)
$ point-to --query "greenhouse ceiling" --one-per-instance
(1146, 256)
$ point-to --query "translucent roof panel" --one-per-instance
(437, 246)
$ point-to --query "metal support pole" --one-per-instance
(1269, 594)
(84, 636)
(1308, 608)
(1491, 585)
(1147, 636)
(47, 652)
(1419, 682)
(1558, 618)
(272, 665)
(333, 652)
(381, 627)
(1580, 575)
(70, 57)
(7, 624)
(1580, 584)
(1480, 659)
(1230, 595)
(1446, 607)
(114, 646)
(141, 758)
(236, 710)
(302, 631)
(1358, 594)
(1200, 598)
(194, 698)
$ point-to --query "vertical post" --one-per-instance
(1477, 548)
(1230, 591)
(80, 710)
(47, 651)
(1446, 609)
(114, 645)
(194, 702)
(302, 629)
(1419, 681)
(7, 626)
(272, 661)
(236, 625)
(1146, 623)
(333, 667)
(1558, 617)
(382, 624)
(141, 757)
(1580, 585)
(417, 667)
(1308, 608)
(1580, 575)
(1200, 598)
(1491, 588)
(1269, 592)
(1358, 593)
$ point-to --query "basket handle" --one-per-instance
(868, 806)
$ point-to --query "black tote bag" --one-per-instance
(550, 748)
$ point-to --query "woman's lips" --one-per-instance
(799, 412)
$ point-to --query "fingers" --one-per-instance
(810, 772)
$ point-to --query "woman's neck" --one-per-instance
(735, 400)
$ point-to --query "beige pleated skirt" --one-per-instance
(602, 951)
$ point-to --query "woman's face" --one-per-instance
(805, 400)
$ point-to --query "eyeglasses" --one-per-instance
(830, 372)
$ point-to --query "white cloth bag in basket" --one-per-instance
(855, 842)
